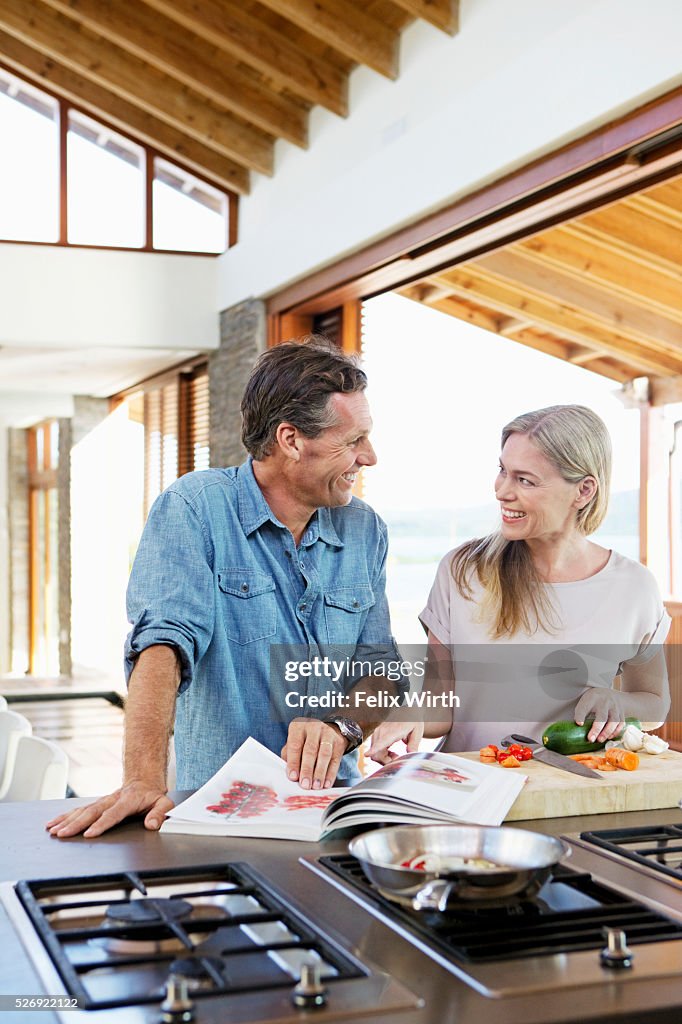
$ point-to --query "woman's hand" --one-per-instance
(388, 733)
(606, 706)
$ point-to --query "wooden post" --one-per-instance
(654, 527)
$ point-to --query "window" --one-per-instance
(174, 410)
(103, 189)
(29, 169)
(105, 185)
(188, 214)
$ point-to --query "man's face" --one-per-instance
(330, 462)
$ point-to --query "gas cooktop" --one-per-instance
(656, 848)
(204, 943)
(577, 931)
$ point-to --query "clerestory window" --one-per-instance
(67, 178)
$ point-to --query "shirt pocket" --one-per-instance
(345, 610)
(249, 605)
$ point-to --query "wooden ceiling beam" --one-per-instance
(191, 60)
(247, 38)
(589, 301)
(653, 241)
(100, 103)
(665, 390)
(346, 28)
(511, 325)
(613, 269)
(443, 14)
(543, 343)
(662, 212)
(109, 66)
(473, 284)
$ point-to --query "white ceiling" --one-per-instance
(82, 371)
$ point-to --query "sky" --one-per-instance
(441, 390)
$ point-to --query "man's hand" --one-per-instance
(92, 820)
(313, 752)
(607, 708)
(385, 735)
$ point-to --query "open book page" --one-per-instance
(428, 786)
(251, 796)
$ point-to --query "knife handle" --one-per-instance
(515, 738)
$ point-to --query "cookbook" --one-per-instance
(252, 796)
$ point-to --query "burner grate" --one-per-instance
(568, 914)
(226, 931)
(658, 847)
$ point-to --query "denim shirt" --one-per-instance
(218, 577)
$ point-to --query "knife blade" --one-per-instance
(551, 757)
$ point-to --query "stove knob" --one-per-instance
(309, 993)
(616, 954)
(177, 1007)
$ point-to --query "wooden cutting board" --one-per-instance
(553, 793)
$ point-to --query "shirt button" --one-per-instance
(245, 588)
(302, 565)
(302, 607)
(356, 604)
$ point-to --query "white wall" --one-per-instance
(519, 79)
(57, 296)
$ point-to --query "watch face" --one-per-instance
(351, 731)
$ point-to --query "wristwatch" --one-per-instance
(350, 730)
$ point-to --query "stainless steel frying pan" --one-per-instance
(523, 861)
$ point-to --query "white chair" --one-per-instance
(3, 703)
(12, 726)
(40, 771)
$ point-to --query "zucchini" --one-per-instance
(569, 738)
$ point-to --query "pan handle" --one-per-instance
(435, 895)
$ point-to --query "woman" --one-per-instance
(549, 618)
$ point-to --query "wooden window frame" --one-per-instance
(150, 155)
(38, 480)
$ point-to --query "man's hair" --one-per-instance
(292, 383)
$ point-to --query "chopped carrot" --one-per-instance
(622, 758)
(511, 762)
(488, 754)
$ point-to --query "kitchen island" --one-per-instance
(27, 851)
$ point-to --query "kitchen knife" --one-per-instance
(541, 753)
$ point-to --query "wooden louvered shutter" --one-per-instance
(193, 451)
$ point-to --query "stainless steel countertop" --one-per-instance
(28, 851)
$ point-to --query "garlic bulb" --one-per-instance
(632, 738)
(654, 744)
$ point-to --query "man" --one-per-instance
(231, 562)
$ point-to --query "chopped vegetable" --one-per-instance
(622, 758)
(511, 762)
(436, 863)
(488, 754)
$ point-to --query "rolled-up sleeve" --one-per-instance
(171, 598)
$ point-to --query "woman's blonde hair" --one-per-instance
(577, 443)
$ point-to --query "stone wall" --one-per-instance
(242, 339)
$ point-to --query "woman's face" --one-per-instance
(536, 503)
